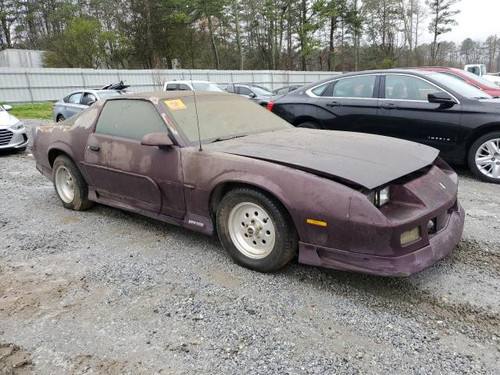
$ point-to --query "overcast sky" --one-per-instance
(477, 20)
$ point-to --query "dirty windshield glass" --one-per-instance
(221, 117)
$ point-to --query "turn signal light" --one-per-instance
(410, 236)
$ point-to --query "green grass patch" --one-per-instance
(32, 110)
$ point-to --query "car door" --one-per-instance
(349, 104)
(127, 173)
(406, 113)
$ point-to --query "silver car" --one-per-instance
(12, 131)
(77, 101)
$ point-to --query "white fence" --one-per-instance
(36, 85)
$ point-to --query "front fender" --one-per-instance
(304, 195)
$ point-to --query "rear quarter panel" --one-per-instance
(68, 137)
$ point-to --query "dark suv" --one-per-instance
(421, 106)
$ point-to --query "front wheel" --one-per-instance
(484, 157)
(70, 185)
(255, 230)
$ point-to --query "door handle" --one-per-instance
(333, 104)
(389, 106)
(94, 148)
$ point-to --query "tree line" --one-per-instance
(334, 35)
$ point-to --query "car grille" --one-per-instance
(5, 137)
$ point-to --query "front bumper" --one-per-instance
(440, 245)
(15, 139)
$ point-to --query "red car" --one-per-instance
(468, 77)
(342, 200)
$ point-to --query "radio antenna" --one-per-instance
(196, 110)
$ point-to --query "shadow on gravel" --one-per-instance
(10, 151)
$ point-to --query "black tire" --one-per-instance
(80, 201)
(285, 238)
(308, 125)
(472, 157)
(60, 118)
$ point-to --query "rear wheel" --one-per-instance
(70, 185)
(308, 125)
(255, 230)
(484, 157)
(60, 118)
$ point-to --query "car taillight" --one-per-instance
(270, 106)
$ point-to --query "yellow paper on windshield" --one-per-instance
(175, 104)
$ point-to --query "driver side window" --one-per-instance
(129, 118)
(403, 87)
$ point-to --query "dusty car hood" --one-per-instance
(7, 120)
(365, 159)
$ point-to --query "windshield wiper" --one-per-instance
(481, 97)
(228, 138)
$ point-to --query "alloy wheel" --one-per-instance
(252, 230)
(488, 158)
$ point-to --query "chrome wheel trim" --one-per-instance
(65, 184)
(487, 158)
(252, 230)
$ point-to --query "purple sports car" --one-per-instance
(341, 200)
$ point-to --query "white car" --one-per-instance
(189, 85)
(12, 131)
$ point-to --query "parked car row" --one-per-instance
(450, 109)
(427, 107)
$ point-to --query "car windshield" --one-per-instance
(216, 121)
(459, 87)
(481, 80)
(205, 86)
(261, 91)
(109, 94)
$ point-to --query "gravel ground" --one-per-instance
(106, 292)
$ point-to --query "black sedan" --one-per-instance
(427, 107)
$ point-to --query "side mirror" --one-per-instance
(7, 107)
(90, 102)
(252, 95)
(442, 98)
(161, 140)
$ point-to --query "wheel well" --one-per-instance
(225, 187)
(480, 132)
(54, 153)
(302, 119)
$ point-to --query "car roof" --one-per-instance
(411, 71)
(93, 91)
(162, 95)
(189, 81)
